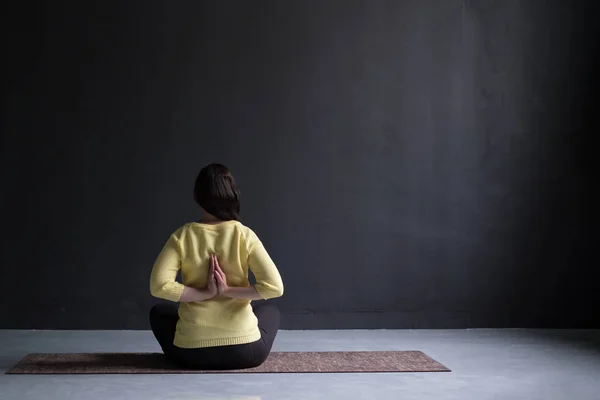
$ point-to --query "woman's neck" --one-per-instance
(209, 219)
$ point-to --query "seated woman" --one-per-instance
(215, 326)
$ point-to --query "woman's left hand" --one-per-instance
(220, 277)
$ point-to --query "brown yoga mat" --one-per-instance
(284, 362)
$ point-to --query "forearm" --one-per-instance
(246, 293)
(193, 295)
(180, 293)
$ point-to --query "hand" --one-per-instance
(220, 278)
(211, 288)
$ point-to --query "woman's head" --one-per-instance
(216, 193)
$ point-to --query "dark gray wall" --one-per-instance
(409, 164)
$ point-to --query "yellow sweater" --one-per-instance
(220, 321)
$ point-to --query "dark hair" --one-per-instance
(215, 191)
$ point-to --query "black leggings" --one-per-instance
(163, 320)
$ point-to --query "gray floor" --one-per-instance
(486, 364)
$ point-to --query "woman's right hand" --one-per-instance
(211, 287)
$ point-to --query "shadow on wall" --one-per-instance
(536, 180)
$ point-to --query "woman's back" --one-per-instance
(219, 321)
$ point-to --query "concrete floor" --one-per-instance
(486, 364)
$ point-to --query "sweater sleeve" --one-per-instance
(163, 282)
(268, 280)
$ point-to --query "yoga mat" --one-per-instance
(284, 362)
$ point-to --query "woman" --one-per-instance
(215, 326)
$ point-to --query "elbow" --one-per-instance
(166, 291)
(268, 292)
(278, 291)
(274, 292)
(156, 291)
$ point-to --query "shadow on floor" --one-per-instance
(589, 339)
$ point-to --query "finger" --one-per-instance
(218, 267)
(220, 276)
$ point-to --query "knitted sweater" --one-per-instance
(219, 321)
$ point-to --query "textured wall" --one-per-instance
(408, 164)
